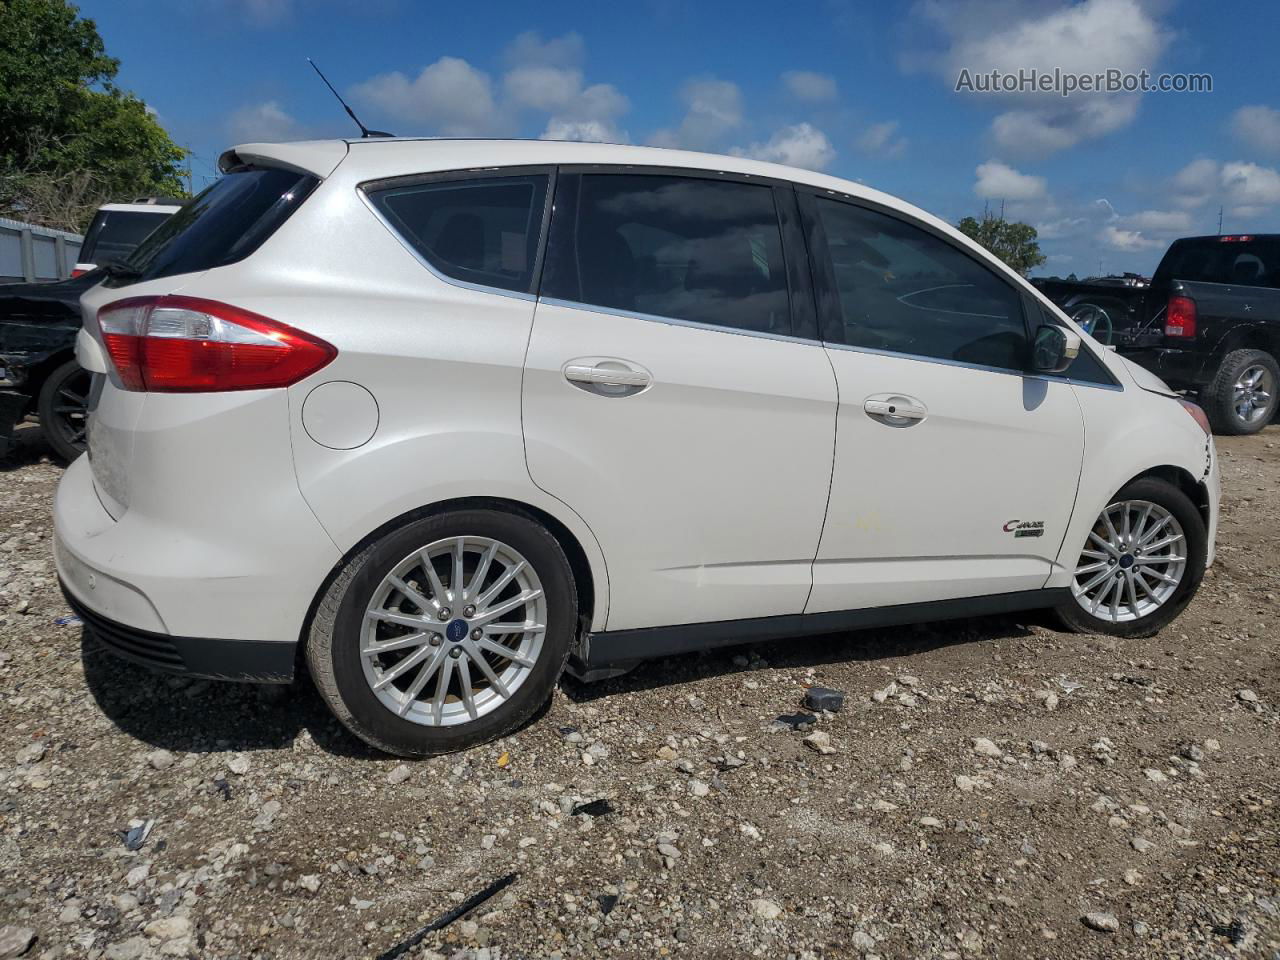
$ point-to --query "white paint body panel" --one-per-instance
(706, 490)
(919, 512)
(702, 498)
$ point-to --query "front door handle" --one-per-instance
(610, 378)
(895, 409)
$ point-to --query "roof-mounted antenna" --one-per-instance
(364, 131)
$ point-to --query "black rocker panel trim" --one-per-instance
(624, 646)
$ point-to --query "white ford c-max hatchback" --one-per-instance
(446, 415)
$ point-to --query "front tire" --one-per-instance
(1140, 565)
(408, 645)
(1242, 397)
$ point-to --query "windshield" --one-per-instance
(114, 234)
(226, 222)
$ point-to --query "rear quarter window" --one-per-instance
(481, 230)
(1243, 263)
(223, 224)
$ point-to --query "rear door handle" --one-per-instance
(610, 378)
(895, 409)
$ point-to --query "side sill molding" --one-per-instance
(613, 648)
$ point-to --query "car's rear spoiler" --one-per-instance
(316, 157)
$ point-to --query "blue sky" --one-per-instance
(860, 90)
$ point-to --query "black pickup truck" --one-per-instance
(1208, 323)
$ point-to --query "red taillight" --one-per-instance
(1180, 317)
(77, 272)
(185, 345)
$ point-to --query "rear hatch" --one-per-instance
(225, 224)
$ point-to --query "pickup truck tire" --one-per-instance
(1244, 375)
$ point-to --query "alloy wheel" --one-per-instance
(453, 631)
(1251, 395)
(1132, 563)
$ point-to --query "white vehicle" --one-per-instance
(444, 415)
(118, 228)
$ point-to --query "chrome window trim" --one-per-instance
(676, 322)
(927, 359)
(1022, 374)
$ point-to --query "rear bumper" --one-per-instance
(246, 660)
(155, 589)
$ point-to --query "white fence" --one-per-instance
(36, 253)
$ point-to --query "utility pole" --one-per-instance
(1219, 219)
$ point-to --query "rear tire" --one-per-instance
(1107, 565)
(63, 409)
(408, 715)
(1234, 399)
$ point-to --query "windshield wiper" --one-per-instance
(121, 271)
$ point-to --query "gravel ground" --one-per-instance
(992, 788)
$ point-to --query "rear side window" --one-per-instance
(1241, 263)
(687, 248)
(482, 231)
(114, 234)
(224, 223)
(904, 290)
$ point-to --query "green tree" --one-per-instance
(1014, 243)
(70, 139)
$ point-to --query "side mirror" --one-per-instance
(1054, 349)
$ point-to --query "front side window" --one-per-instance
(685, 248)
(482, 230)
(904, 290)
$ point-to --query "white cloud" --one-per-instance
(1158, 221)
(263, 122)
(586, 130)
(1258, 126)
(1087, 37)
(807, 85)
(800, 145)
(590, 114)
(1195, 183)
(542, 87)
(713, 109)
(1060, 125)
(1246, 189)
(1128, 240)
(999, 181)
(530, 50)
(879, 139)
(454, 98)
(450, 97)
(260, 13)
(1058, 229)
(1249, 186)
